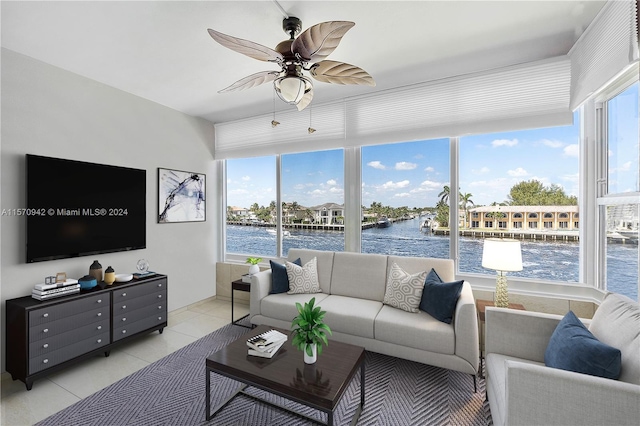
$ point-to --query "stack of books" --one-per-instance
(266, 345)
(50, 291)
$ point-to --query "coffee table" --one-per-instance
(319, 386)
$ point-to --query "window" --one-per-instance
(405, 199)
(488, 224)
(548, 225)
(563, 225)
(251, 212)
(548, 216)
(475, 224)
(502, 225)
(312, 187)
(513, 171)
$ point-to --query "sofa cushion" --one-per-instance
(617, 323)
(412, 265)
(303, 279)
(324, 264)
(573, 348)
(419, 331)
(359, 275)
(439, 299)
(282, 306)
(279, 278)
(404, 290)
(350, 315)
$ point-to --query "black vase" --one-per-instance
(95, 270)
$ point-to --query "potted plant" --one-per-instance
(309, 330)
(253, 261)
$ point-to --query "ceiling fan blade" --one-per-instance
(306, 100)
(246, 47)
(317, 42)
(341, 73)
(251, 81)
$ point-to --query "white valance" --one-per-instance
(606, 48)
(517, 97)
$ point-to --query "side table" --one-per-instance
(240, 286)
(481, 306)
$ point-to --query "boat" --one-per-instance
(383, 222)
(630, 234)
(273, 231)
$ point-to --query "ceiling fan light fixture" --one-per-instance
(291, 89)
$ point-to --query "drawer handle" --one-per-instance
(45, 315)
(160, 307)
(99, 314)
(124, 294)
(159, 296)
(124, 306)
(159, 318)
(46, 345)
(44, 361)
(46, 330)
(99, 340)
(99, 327)
(124, 331)
(159, 285)
(99, 300)
(124, 319)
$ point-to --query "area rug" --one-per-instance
(171, 392)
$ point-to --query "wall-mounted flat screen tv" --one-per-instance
(76, 208)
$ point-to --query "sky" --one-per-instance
(413, 174)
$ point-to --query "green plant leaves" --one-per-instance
(308, 327)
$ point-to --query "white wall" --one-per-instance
(52, 112)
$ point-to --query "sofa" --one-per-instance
(353, 288)
(522, 390)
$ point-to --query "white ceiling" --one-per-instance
(161, 51)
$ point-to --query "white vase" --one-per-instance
(254, 269)
(314, 355)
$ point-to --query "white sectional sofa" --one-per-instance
(353, 288)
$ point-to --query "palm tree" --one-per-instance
(444, 195)
(294, 207)
(465, 200)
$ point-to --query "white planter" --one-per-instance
(254, 269)
(313, 358)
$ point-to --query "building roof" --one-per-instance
(526, 209)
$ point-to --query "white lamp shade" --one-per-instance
(502, 255)
(291, 89)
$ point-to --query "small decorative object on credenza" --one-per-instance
(87, 282)
(266, 345)
(95, 270)
(309, 330)
(51, 289)
(109, 275)
(253, 261)
(143, 269)
(502, 255)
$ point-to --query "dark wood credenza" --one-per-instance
(46, 336)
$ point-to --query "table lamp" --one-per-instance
(502, 255)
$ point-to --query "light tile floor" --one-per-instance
(59, 390)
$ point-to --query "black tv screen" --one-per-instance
(77, 208)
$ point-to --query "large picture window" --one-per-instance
(405, 198)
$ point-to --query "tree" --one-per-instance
(444, 195)
(442, 214)
(534, 193)
(465, 200)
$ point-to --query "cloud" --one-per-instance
(552, 143)
(402, 195)
(376, 165)
(403, 165)
(429, 169)
(624, 168)
(317, 192)
(335, 190)
(395, 185)
(427, 186)
(572, 150)
(246, 178)
(481, 171)
(298, 186)
(504, 142)
(517, 172)
(332, 182)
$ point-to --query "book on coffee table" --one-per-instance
(265, 341)
(269, 352)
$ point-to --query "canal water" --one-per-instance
(549, 260)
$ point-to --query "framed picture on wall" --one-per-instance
(181, 196)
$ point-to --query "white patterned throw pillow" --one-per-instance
(404, 290)
(303, 279)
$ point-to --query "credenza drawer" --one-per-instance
(59, 341)
(138, 326)
(64, 310)
(56, 357)
(156, 298)
(128, 293)
(52, 328)
(125, 318)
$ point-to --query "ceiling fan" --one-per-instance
(295, 55)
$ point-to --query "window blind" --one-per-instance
(605, 49)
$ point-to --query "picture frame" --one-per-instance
(181, 196)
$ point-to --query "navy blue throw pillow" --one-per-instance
(439, 299)
(572, 347)
(279, 278)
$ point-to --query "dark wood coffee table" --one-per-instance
(319, 386)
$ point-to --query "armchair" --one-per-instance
(522, 391)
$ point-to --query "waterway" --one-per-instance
(549, 260)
